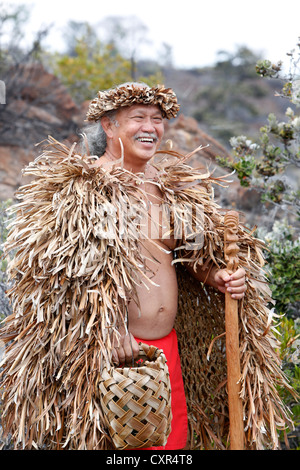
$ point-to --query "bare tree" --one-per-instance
(128, 34)
(22, 72)
(76, 31)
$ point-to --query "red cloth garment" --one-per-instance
(179, 425)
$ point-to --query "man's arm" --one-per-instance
(220, 279)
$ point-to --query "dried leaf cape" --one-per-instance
(70, 286)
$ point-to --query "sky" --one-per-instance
(196, 30)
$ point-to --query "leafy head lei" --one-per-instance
(130, 94)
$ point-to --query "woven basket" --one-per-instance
(136, 401)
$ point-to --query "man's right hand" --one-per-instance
(126, 348)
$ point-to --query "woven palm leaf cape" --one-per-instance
(70, 286)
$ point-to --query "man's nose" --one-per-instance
(148, 125)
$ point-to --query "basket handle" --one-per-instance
(148, 350)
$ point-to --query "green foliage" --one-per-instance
(265, 68)
(244, 161)
(279, 146)
(89, 71)
(289, 332)
(283, 257)
(92, 65)
(279, 150)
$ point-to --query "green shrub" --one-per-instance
(283, 256)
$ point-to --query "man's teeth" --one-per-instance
(145, 139)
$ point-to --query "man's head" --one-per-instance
(140, 128)
(134, 113)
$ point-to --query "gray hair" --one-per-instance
(93, 137)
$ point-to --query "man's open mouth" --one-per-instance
(149, 140)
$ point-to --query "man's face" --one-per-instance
(141, 129)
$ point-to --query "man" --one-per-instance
(139, 126)
(73, 288)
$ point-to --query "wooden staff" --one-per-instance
(236, 431)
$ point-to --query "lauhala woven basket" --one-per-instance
(136, 401)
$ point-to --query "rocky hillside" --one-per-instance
(40, 105)
(227, 99)
(37, 105)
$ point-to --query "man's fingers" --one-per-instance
(223, 275)
(237, 289)
(126, 351)
(238, 296)
(119, 354)
(115, 357)
(131, 347)
(239, 274)
(237, 283)
(234, 283)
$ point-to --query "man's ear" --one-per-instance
(107, 124)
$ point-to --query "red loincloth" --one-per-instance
(178, 436)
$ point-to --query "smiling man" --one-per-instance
(82, 301)
(140, 128)
(132, 117)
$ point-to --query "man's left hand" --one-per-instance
(234, 283)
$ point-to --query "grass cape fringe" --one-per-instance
(70, 286)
